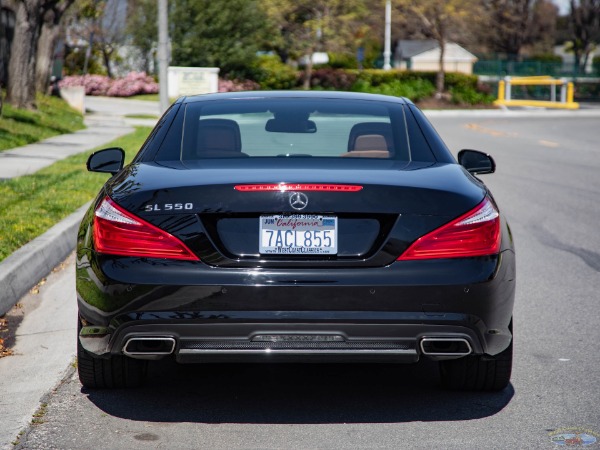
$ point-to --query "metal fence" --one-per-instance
(503, 68)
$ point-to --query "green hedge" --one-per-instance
(416, 89)
(333, 79)
(271, 73)
(463, 88)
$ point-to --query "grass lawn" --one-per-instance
(31, 204)
(141, 116)
(149, 97)
(53, 117)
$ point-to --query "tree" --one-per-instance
(508, 25)
(21, 87)
(47, 42)
(218, 34)
(440, 19)
(7, 24)
(543, 27)
(21, 66)
(307, 26)
(585, 30)
(511, 25)
(142, 30)
(102, 24)
(111, 32)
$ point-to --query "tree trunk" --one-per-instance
(106, 55)
(88, 51)
(586, 57)
(308, 73)
(21, 67)
(45, 54)
(441, 75)
(47, 42)
(577, 61)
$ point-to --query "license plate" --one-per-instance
(298, 234)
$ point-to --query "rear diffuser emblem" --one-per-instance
(298, 200)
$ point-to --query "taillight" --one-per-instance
(476, 233)
(119, 232)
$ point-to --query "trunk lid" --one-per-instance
(397, 203)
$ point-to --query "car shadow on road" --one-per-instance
(295, 393)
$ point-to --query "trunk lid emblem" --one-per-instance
(298, 200)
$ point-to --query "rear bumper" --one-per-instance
(385, 338)
(376, 314)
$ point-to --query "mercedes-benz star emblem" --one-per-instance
(298, 200)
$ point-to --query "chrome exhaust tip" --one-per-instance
(149, 346)
(445, 346)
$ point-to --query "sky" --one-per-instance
(563, 6)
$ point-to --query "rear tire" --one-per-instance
(478, 372)
(113, 372)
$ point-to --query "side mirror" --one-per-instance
(476, 162)
(109, 160)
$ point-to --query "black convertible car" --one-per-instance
(295, 226)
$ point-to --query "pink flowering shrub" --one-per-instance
(237, 85)
(133, 84)
(93, 84)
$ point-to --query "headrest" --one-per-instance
(218, 135)
(370, 142)
(382, 129)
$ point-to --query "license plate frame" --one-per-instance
(285, 234)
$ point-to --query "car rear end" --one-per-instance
(277, 243)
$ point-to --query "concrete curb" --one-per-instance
(28, 265)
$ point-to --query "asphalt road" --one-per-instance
(548, 184)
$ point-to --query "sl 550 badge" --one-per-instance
(169, 207)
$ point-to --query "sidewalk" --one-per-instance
(106, 121)
(45, 347)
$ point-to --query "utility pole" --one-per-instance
(387, 52)
(163, 55)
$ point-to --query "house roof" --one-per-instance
(407, 49)
(429, 50)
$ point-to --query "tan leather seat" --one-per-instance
(370, 140)
(369, 146)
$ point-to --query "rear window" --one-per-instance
(296, 128)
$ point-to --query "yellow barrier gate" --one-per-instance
(566, 92)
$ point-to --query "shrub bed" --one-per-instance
(237, 85)
(270, 73)
(416, 89)
(134, 83)
(333, 79)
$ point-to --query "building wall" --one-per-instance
(449, 66)
(433, 66)
(456, 59)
